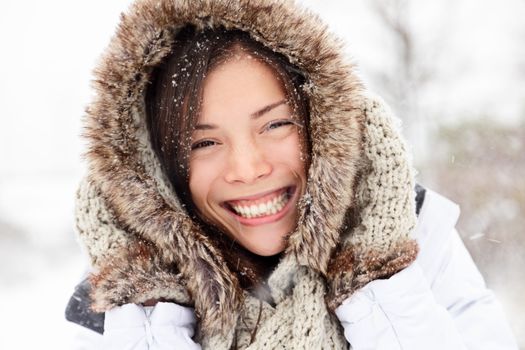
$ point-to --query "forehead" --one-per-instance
(242, 84)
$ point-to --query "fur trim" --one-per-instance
(136, 276)
(138, 196)
(348, 272)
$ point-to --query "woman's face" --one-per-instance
(247, 167)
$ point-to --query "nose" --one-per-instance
(247, 163)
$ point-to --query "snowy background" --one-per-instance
(453, 70)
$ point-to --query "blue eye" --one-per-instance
(202, 144)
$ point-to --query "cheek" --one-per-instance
(292, 153)
(201, 180)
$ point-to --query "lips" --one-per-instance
(262, 206)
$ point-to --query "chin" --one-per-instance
(268, 252)
(266, 246)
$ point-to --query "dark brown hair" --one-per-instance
(173, 104)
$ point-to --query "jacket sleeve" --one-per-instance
(131, 326)
(421, 308)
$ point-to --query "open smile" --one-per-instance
(264, 209)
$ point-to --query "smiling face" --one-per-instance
(247, 163)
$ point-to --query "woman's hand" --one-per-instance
(166, 326)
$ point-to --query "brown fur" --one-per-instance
(351, 269)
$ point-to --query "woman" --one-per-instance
(244, 191)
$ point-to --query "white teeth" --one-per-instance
(271, 207)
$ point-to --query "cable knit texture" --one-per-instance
(354, 219)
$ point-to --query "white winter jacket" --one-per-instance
(439, 302)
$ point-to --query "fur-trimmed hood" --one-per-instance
(359, 187)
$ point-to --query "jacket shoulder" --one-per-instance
(436, 213)
(78, 309)
(435, 227)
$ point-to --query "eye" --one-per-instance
(202, 144)
(275, 124)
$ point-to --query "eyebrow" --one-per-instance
(254, 115)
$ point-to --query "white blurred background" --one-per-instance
(454, 71)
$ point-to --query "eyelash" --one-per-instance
(279, 123)
(202, 144)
